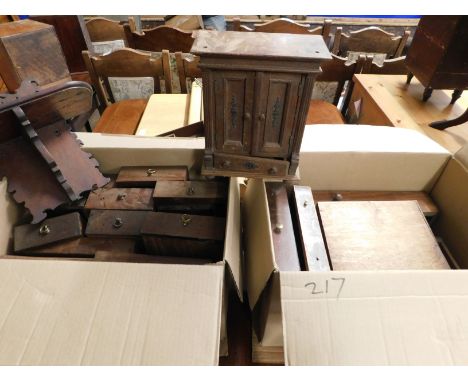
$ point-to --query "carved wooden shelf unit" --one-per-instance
(256, 94)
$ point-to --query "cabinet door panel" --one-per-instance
(233, 101)
(275, 113)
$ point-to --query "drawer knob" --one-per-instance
(118, 222)
(247, 115)
(278, 227)
(44, 230)
(226, 164)
(273, 171)
(121, 196)
(250, 165)
(337, 198)
(261, 117)
(190, 191)
(150, 171)
(185, 219)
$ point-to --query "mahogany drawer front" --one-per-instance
(171, 234)
(148, 176)
(84, 247)
(170, 192)
(49, 231)
(282, 229)
(115, 223)
(121, 199)
(248, 165)
(125, 257)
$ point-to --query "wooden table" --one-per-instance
(387, 100)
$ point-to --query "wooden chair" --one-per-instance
(159, 39)
(284, 25)
(101, 29)
(337, 70)
(122, 117)
(187, 68)
(369, 40)
(391, 66)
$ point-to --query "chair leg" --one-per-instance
(456, 95)
(427, 93)
(409, 76)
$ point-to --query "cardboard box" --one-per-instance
(373, 317)
(64, 312)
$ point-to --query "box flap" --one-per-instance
(232, 243)
(141, 151)
(259, 243)
(375, 318)
(462, 156)
(373, 158)
(10, 216)
(89, 313)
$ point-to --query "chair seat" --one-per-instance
(322, 112)
(121, 117)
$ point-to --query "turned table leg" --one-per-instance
(456, 95)
(409, 76)
(441, 125)
(427, 93)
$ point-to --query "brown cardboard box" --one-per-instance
(101, 313)
(373, 317)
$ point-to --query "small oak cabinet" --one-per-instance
(256, 93)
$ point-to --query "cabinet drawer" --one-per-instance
(248, 165)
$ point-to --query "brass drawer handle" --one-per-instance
(190, 191)
(44, 230)
(185, 219)
(273, 171)
(150, 172)
(226, 164)
(121, 196)
(117, 223)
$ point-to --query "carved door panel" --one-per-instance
(233, 109)
(275, 113)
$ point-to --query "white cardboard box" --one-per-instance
(366, 318)
(62, 312)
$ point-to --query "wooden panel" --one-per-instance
(83, 247)
(236, 165)
(121, 199)
(140, 176)
(233, 110)
(379, 236)
(284, 242)
(425, 202)
(49, 231)
(275, 114)
(144, 258)
(309, 232)
(115, 223)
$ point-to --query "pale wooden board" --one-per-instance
(402, 105)
(164, 112)
(379, 235)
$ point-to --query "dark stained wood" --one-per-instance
(309, 232)
(391, 66)
(438, 55)
(187, 67)
(379, 235)
(256, 92)
(125, 257)
(140, 176)
(284, 242)
(159, 39)
(369, 40)
(171, 234)
(121, 199)
(83, 247)
(425, 202)
(49, 231)
(194, 129)
(71, 37)
(30, 50)
(191, 196)
(115, 223)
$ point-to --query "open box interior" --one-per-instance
(365, 317)
(62, 311)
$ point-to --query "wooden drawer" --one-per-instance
(115, 223)
(248, 166)
(182, 235)
(121, 199)
(147, 176)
